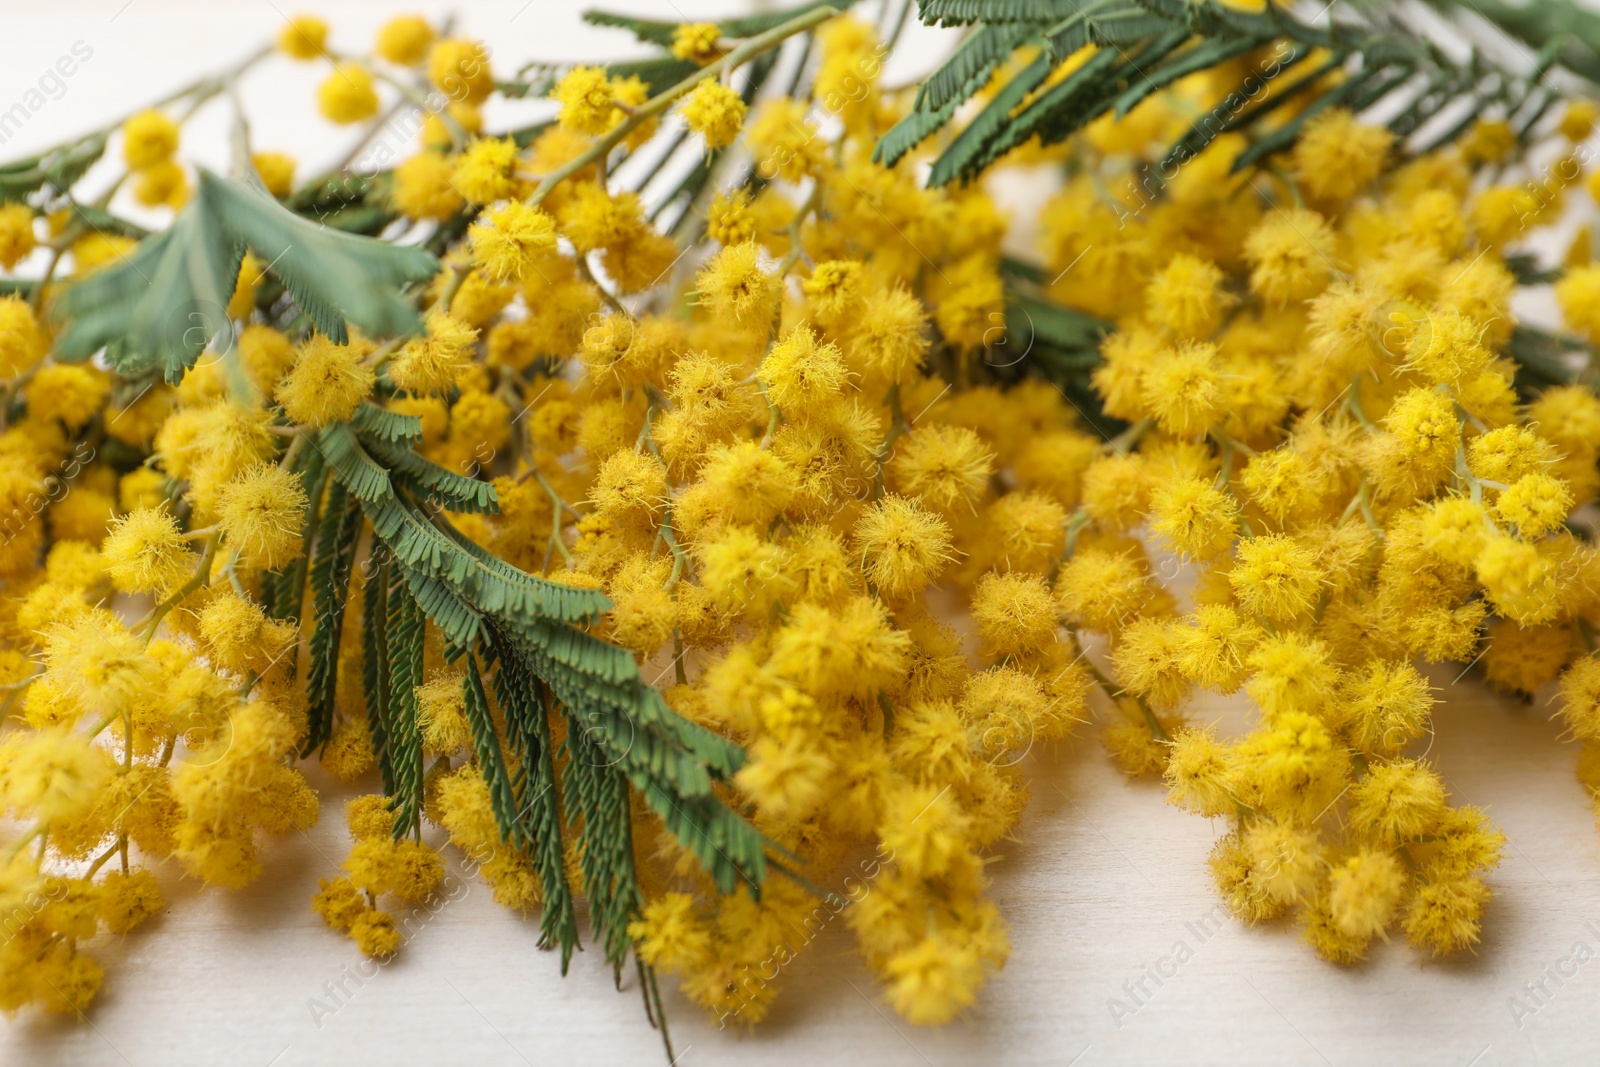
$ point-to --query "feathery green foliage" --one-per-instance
(60, 168)
(403, 635)
(537, 826)
(330, 583)
(1147, 45)
(375, 665)
(159, 308)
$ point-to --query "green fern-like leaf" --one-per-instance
(59, 169)
(382, 424)
(357, 471)
(375, 666)
(656, 31)
(330, 581)
(332, 276)
(160, 307)
(403, 630)
(1107, 22)
(435, 549)
(538, 823)
(1155, 43)
(486, 747)
(1203, 56)
(598, 796)
(432, 482)
(970, 66)
(989, 123)
(965, 12)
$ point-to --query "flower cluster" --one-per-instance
(1324, 427)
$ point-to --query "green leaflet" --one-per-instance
(1062, 345)
(989, 123)
(962, 12)
(432, 482)
(655, 31)
(432, 549)
(967, 160)
(330, 583)
(961, 76)
(1564, 33)
(538, 823)
(1202, 56)
(1045, 323)
(1110, 22)
(524, 625)
(159, 308)
(1211, 125)
(970, 65)
(665, 758)
(332, 276)
(350, 464)
(473, 597)
(660, 73)
(1284, 136)
(598, 798)
(1155, 43)
(59, 169)
(95, 218)
(650, 31)
(435, 550)
(486, 746)
(375, 664)
(403, 633)
(381, 424)
(1543, 359)
(910, 131)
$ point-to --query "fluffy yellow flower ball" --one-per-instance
(260, 513)
(424, 189)
(17, 237)
(304, 37)
(148, 138)
(146, 553)
(276, 171)
(697, 42)
(510, 239)
(347, 95)
(327, 384)
(588, 101)
(405, 40)
(459, 68)
(714, 111)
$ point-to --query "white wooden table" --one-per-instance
(1104, 882)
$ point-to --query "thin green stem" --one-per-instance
(1288, 183)
(1124, 441)
(667, 97)
(670, 536)
(1114, 691)
(201, 578)
(556, 504)
(606, 295)
(1353, 403)
(792, 256)
(101, 860)
(897, 427)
